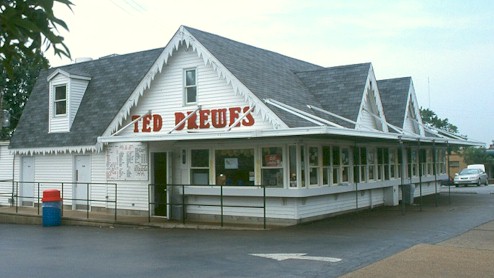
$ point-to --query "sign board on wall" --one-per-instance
(127, 161)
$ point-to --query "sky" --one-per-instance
(447, 47)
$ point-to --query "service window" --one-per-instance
(272, 166)
(199, 168)
(234, 167)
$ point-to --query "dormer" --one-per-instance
(66, 91)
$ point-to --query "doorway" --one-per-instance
(82, 178)
(160, 171)
(27, 181)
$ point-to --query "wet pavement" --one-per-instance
(450, 235)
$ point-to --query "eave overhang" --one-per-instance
(288, 132)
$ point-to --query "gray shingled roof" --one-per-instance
(267, 74)
(338, 90)
(394, 94)
(113, 79)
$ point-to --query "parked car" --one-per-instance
(471, 176)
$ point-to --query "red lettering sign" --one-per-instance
(203, 119)
(149, 123)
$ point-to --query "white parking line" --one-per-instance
(296, 256)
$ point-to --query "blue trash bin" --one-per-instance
(52, 208)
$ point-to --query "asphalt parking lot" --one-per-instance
(437, 238)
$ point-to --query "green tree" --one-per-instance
(429, 117)
(28, 27)
(475, 155)
(17, 87)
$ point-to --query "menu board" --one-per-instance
(127, 161)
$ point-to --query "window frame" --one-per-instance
(56, 101)
(192, 167)
(186, 87)
(264, 169)
(314, 168)
(240, 174)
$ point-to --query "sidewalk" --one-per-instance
(468, 255)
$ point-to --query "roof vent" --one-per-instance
(82, 59)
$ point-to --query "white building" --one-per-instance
(207, 121)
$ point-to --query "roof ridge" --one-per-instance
(395, 78)
(104, 58)
(249, 45)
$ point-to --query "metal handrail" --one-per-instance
(61, 185)
(184, 203)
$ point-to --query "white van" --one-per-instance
(477, 166)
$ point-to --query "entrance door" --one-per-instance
(160, 182)
(82, 177)
(27, 181)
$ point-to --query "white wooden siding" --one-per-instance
(165, 97)
(6, 164)
(77, 89)
(59, 123)
(132, 195)
(410, 125)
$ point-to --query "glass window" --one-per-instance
(345, 162)
(234, 167)
(199, 168)
(272, 166)
(336, 165)
(326, 165)
(392, 163)
(399, 169)
(360, 164)
(383, 163)
(314, 166)
(371, 162)
(293, 165)
(412, 163)
(190, 86)
(441, 161)
(60, 100)
(430, 162)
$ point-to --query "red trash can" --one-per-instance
(52, 208)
